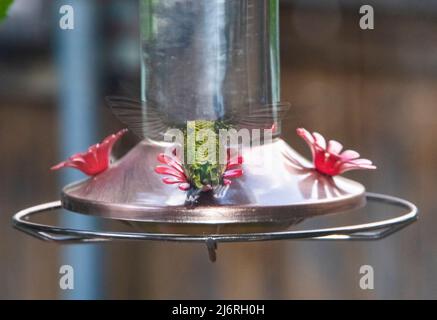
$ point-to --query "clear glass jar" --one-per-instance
(208, 60)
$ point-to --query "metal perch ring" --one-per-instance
(367, 231)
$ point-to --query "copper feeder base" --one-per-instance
(271, 195)
(260, 206)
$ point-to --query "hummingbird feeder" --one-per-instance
(210, 69)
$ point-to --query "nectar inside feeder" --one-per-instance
(211, 66)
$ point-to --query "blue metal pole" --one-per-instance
(76, 53)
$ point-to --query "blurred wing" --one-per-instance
(263, 116)
(141, 120)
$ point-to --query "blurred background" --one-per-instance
(374, 90)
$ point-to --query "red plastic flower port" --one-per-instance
(173, 168)
(232, 169)
(328, 158)
(96, 159)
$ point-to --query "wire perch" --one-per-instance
(367, 231)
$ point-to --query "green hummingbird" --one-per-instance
(202, 150)
(203, 167)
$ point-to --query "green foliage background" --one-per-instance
(4, 7)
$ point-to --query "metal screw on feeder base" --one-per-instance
(211, 245)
